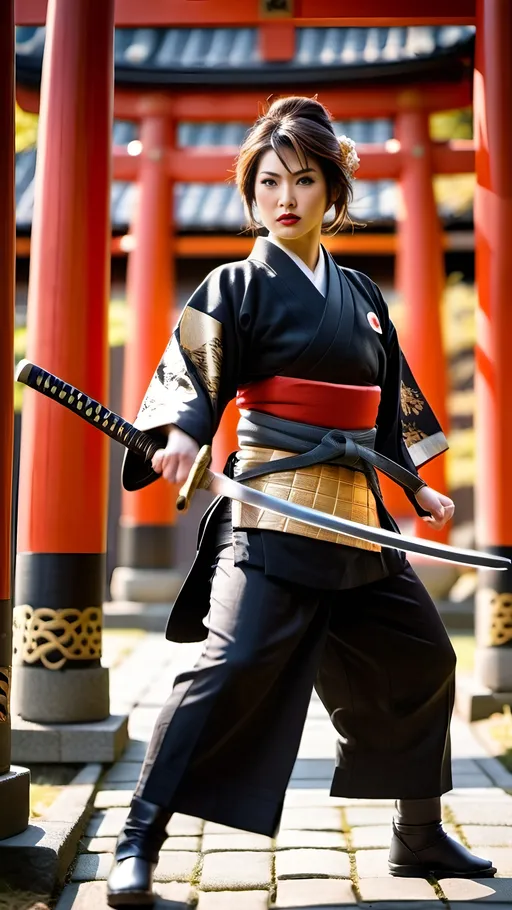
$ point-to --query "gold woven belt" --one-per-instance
(333, 489)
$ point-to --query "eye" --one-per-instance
(306, 181)
(268, 181)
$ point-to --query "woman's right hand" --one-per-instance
(174, 462)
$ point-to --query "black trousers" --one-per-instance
(379, 657)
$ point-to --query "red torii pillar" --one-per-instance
(493, 384)
(145, 572)
(63, 472)
(14, 782)
(421, 280)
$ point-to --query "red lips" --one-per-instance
(288, 218)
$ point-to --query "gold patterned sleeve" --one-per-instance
(422, 434)
(407, 429)
(197, 375)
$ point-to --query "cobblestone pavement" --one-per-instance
(330, 853)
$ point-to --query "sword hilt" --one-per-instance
(88, 409)
(196, 476)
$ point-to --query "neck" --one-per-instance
(306, 248)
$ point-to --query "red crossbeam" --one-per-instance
(305, 12)
(215, 164)
(220, 106)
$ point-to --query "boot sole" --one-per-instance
(423, 872)
(130, 899)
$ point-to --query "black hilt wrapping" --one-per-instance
(88, 409)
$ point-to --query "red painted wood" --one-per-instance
(307, 12)
(421, 277)
(7, 235)
(493, 229)
(222, 106)
(214, 164)
(190, 246)
(225, 440)
(63, 479)
(276, 41)
(150, 294)
(454, 157)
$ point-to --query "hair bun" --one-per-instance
(349, 156)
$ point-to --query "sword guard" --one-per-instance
(195, 478)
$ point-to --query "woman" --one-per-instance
(307, 348)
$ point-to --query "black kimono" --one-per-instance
(285, 612)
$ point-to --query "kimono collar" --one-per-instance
(318, 276)
(285, 266)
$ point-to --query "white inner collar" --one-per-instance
(318, 277)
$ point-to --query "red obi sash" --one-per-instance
(320, 404)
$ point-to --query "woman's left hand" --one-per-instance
(441, 507)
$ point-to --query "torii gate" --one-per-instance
(70, 256)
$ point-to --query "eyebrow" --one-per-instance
(305, 170)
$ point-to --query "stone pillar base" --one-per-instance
(60, 696)
(14, 801)
(474, 701)
(493, 668)
(145, 585)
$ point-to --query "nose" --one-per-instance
(286, 197)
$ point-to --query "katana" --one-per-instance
(96, 414)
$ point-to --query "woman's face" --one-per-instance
(297, 192)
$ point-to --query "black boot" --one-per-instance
(420, 847)
(130, 882)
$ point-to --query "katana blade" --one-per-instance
(224, 486)
(96, 414)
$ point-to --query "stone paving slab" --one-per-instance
(501, 858)
(372, 837)
(93, 896)
(172, 866)
(239, 841)
(490, 890)
(469, 812)
(313, 839)
(315, 819)
(106, 824)
(313, 769)
(233, 900)
(107, 844)
(465, 766)
(426, 904)
(488, 835)
(236, 871)
(372, 863)
(471, 781)
(315, 783)
(123, 771)
(216, 828)
(369, 815)
(135, 751)
(142, 722)
(396, 889)
(312, 864)
(185, 826)
(111, 799)
(313, 796)
(315, 894)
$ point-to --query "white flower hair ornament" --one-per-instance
(349, 157)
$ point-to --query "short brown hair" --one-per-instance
(303, 125)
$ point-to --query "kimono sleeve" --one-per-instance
(407, 429)
(197, 375)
